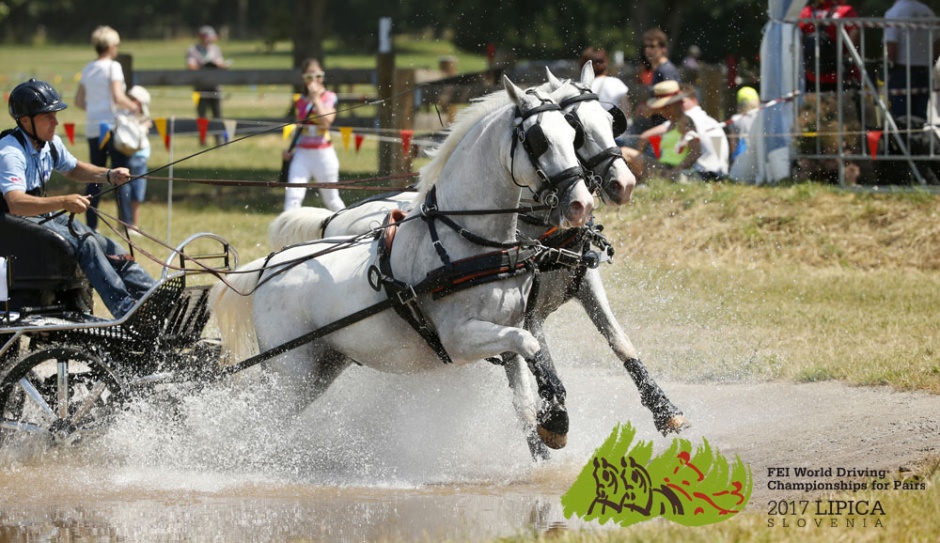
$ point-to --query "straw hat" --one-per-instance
(665, 93)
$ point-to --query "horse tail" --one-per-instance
(297, 226)
(234, 312)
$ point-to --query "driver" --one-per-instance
(28, 154)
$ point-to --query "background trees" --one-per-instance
(523, 29)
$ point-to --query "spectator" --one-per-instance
(100, 90)
(134, 192)
(744, 156)
(691, 57)
(692, 144)
(207, 55)
(313, 155)
(908, 51)
(826, 36)
(611, 91)
(27, 157)
(655, 52)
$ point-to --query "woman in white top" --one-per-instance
(101, 90)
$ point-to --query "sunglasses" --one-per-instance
(311, 77)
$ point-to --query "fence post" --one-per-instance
(404, 111)
(385, 73)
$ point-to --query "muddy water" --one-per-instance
(377, 458)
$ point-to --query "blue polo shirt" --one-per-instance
(27, 169)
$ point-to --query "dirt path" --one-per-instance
(817, 425)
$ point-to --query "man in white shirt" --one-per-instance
(909, 50)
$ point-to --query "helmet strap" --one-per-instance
(32, 135)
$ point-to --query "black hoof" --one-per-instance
(672, 424)
(553, 427)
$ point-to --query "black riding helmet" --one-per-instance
(34, 97)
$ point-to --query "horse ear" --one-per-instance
(552, 80)
(587, 74)
(514, 92)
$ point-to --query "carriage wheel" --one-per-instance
(57, 395)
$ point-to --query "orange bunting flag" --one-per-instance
(345, 132)
(161, 129)
(406, 141)
(70, 132)
(359, 139)
(655, 142)
(203, 124)
(874, 136)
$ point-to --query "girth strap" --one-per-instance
(403, 294)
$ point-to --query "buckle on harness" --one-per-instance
(406, 295)
(564, 257)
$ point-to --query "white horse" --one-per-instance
(479, 167)
(600, 155)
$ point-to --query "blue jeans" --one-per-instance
(133, 191)
(919, 84)
(120, 283)
(99, 157)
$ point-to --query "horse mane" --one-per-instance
(466, 119)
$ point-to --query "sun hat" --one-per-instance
(665, 93)
(141, 95)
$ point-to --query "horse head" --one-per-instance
(548, 140)
(599, 154)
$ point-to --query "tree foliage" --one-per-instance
(523, 29)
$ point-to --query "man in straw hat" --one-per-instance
(688, 144)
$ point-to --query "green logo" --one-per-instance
(623, 484)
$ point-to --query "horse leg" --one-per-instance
(667, 417)
(524, 403)
(476, 340)
(306, 373)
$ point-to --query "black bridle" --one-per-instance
(535, 145)
(603, 160)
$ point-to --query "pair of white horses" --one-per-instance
(466, 207)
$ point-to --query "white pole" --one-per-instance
(169, 190)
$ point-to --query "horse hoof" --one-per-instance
(551, 439)
(673, 424)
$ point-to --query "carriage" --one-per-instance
(65, 372)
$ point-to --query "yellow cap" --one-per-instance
(749, 95)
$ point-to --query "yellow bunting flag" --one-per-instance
(196, 96)
(161, 129)
(288, 131)
(345, 132)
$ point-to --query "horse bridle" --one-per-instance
(605, 157)
(535, 145)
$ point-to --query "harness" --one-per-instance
(41, 189)
(604, 157)
(509, 260)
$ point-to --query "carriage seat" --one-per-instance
(44, 266)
